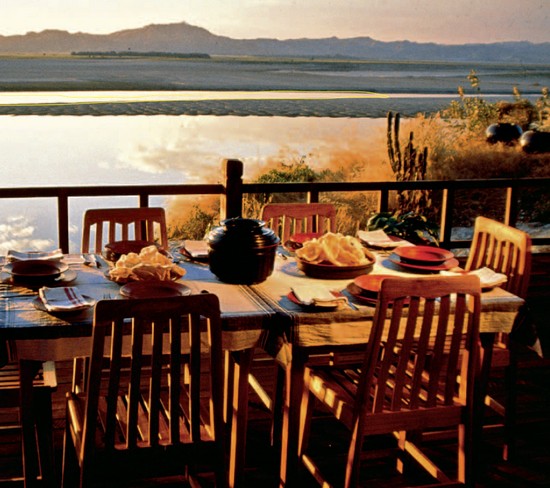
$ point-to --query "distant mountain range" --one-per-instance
(184, 38)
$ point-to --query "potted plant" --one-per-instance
(410, 226)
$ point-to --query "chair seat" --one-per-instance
(336, 389)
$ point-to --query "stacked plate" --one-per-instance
(365, 288)
(424, 258)
(154, 289)
(37, 272)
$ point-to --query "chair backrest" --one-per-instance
(287, 219)
(416, 343)
(122, 224)
(503, 249)
(173, 395)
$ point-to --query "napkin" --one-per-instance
(64, 299)
(197, 249)
(378, 238)
(26, 255)
(317, 295)
(487, 277)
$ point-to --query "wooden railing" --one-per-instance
(232, 190)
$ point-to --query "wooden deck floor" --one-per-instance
(529, 468)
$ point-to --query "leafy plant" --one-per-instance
(471, 113)
(295, 172)
(196, 224)
(410, 226)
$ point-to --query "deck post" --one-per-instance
(231, 202)
(63, 222)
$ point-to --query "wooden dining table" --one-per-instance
(259, 315)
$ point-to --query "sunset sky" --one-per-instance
(440, 21)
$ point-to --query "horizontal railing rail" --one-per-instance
(142, 192)
(232, 191)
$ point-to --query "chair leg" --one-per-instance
(510, 381)
(69, 467)
(306, 413)
(278, 405)
(27, 371)
(44, 433)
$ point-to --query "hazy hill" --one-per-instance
(185, 38)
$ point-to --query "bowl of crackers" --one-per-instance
(148, 265)
(334, 257)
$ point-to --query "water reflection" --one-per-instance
(86, 150)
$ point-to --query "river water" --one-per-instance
(130, 150)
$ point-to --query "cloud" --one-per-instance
(18, 233)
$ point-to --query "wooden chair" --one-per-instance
(287, 219)
(139, 223)
(29, 411)
(507, 250)
(407, 381)
(148, 412)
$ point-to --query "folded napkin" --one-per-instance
(64, 299)
(26, 255)
(487, 277)
(197, 249)
(318, 296)
(378, 238)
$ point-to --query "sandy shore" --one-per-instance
(327, 104)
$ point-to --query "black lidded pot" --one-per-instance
(503, 132)
(242, 251)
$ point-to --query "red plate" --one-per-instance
(365, 297)
(292, 297)
(423, 254)
(154, 289)
(450, 264)
(370, 283)
(360, 295)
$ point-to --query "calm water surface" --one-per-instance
(57, 151)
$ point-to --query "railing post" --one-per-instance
(231, 203)
(143, 199)
(383, 203)
(511, 211)
(313, 196)
(447, 207)
(63, 222)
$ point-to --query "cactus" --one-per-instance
(409, 165)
